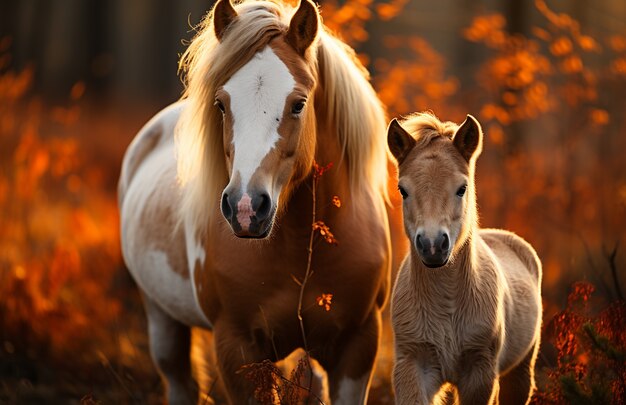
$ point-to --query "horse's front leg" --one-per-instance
(234, 348)
(350, 368)
(169, 346)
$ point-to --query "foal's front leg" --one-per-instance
(479, 391)
(478, 383)
(415, 378)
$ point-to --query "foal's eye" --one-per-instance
(461, 191)
(403, 192)
(220, 105)
(297, 107)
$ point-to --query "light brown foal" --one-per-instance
(466, 307)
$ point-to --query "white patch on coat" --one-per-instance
(150, 267)
(352, 391)
(172, 290)
(195, 254)
(258, 92)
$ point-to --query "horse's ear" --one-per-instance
(469, 138)
(303, 27)
(400, 142)
(223, 14)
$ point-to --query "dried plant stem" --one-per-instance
(107, 365)
(307, 275)
(308, 272)
(610, 257)
(295, 384)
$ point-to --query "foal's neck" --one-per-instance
(457, 276)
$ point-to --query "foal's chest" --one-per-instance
(439, 328)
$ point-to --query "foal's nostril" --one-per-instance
(433, 252)
(262, 205)
(226, 210)
(418, 242)
(423, 244)
(445, 243)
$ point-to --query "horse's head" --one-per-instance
(436, 180)
(268, 121)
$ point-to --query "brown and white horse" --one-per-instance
(215, 199)
(466, 306)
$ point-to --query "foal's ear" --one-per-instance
(469, 138)
(303, 27)
(400, 142)
(223, 14)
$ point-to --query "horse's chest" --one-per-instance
(269, 315)
(249, 285)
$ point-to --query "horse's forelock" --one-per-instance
(205, 66)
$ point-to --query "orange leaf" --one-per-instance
(320, 170)
(325, 301)
(325, 232)
(599, 117)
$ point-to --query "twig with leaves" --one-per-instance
(318, 172)
(324, 230)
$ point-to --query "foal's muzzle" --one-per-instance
(434, 253)
(249, 215)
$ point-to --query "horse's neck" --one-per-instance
(333, 182)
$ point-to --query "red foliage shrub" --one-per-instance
(591, 353)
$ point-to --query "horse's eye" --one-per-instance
(297, 107)
(461, 191)
(403, 192)
(220, 105)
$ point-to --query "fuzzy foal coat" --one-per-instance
(475, 322)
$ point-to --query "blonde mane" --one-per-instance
(345, 101)
(425, 127)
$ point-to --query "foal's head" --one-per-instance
(436, 179)
(268, 120)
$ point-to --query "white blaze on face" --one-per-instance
(257, 100)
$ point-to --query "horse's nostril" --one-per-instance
(226, 210)
(262, 205)
(445, 243)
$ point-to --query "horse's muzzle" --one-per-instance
(248, 216)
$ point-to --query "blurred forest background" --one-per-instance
(78, 78)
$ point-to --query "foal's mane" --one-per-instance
(345, 104)
(425, 127)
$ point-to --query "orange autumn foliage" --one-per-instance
(551, 171)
